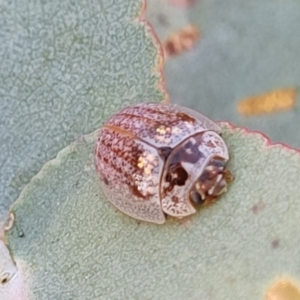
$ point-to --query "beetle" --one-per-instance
(158, 159)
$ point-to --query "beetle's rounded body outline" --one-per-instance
(157, 159)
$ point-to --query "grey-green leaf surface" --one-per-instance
(64, 67)
(246, 48)
(76, 245)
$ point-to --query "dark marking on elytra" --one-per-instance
(175, 199)
(137, 193)
(105, 180)
(184, 117)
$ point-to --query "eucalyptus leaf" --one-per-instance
(64, 67)
(76, 245)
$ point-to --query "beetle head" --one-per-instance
(212, 182)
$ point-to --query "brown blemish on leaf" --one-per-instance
(230, 280)
(275, 244)
(181, 41)
(282, 99)
(283, 289)
(258, 208)
(163, 20)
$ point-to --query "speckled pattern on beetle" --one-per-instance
(157, 159)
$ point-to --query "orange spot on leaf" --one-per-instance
(258, 208)
(282, 99)
(283, 289)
